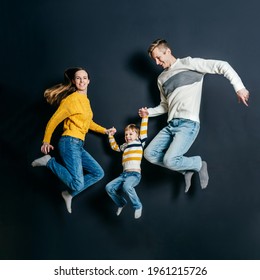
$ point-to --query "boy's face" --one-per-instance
(130, 135)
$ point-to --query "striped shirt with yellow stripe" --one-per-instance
(132, 152)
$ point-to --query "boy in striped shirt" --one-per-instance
(131, 161)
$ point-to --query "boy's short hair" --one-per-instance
(133, 127)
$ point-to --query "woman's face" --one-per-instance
(81, 80)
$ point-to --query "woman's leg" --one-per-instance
(92, 171)
(71, 173)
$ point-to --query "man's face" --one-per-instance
(162, 57)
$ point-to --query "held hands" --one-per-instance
(143, 112)
(243, 95)
(46, 148)
(111, 131)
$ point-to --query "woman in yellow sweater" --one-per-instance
(79, 169)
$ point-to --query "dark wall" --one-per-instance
(39, 39)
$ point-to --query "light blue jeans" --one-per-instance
(79, 170)
(126, 182)
(168, 147)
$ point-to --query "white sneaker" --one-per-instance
(119, 210)
(138, 213)
(187, 176)
(42, 161)
(203, 175)
(67, 198)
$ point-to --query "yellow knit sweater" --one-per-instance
(77, 115)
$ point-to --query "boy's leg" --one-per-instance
(132, 179)
(112, 189)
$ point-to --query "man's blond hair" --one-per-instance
(159, 43)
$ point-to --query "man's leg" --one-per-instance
(155, 151)
(185, 133)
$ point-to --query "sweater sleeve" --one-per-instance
(114, 146)
(97, 128)
(60, 115)
(210, 66)
(143, 130)
(162, 108)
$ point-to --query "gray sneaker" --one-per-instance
(204, 176)
(187, 177)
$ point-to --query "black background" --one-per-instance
(39, 40)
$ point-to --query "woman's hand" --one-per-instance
(46, 148)
(111, 131)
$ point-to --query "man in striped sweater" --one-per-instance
(131, 161)
(180, 86)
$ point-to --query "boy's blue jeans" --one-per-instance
(168, 147)
(127, 181)
(79, 170)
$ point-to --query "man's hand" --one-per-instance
(143, 112)
(243, 95)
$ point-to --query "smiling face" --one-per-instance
(81, 81)
(131, 135)
(162, 56)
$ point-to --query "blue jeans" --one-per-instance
(168, 147)
(79, 169)
(127, 181)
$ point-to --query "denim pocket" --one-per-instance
(70, 139)
(67, 143)
(135, 174)
(74, 140)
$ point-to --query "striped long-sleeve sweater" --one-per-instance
(132, 152)
(180, 86)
